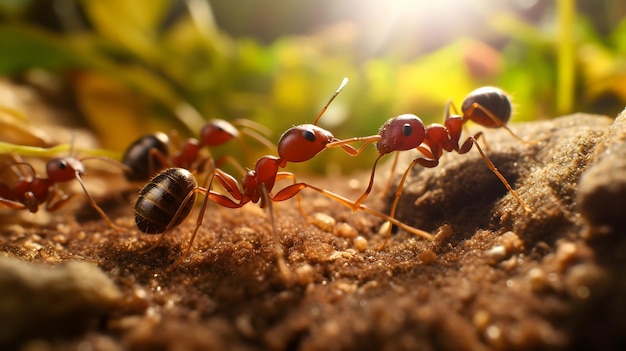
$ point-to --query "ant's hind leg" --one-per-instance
(284, 270)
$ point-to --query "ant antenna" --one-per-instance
(343, 84)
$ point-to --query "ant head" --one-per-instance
(487, 106)
(64, 169)
(217, 132)
(400, 133)
(301, 143)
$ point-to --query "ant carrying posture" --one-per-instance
(178, 187)
(31, 191)
(151, 153)
(487, 106)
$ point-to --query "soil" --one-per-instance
(494, 277)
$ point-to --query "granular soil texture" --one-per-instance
(494, 277)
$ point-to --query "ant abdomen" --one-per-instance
(491, 99)
(160, 200)
(141, 159)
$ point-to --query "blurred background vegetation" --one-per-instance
(125, 68)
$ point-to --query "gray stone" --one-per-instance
(38, 300)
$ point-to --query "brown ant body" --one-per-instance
(150, 153)
(487, 106)
(297, 144)
(29, 192)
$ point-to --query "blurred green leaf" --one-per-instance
(26, 47)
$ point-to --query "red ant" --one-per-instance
(151, 153)
(298, 144)
(487, 106)
(29, 192)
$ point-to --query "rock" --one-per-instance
(44, 301)
(463, 193)
(602, 188)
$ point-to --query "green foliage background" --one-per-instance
(138, 66)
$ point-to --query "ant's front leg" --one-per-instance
(57, 199)
(289, 191)
(14, 205)
(230, 184)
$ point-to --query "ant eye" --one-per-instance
(407, 129)
(62, 164)
(308, 135)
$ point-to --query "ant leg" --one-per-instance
(31, 202)
(95, 206)
(497, 121)
(292, 190)
(430, 163)
(13, 205)
(157, 157)
(231, 161)
(230, 184)
(254, 134)
(252, 125)
(364, 196)
(280, 255)
(16, 167)
(495, 171)
(52, 203)
(289, 175)
(206, 188)
(392, 170)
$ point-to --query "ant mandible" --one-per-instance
(29, 192)
(298, 144)
(151, 153)
(487, 106)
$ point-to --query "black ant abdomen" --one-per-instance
(482, 101)
(141, 156)
(158, 206)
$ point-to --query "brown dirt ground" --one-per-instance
(493, 278)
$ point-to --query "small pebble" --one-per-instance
(566, 253)
(305, 275)
(496, 253)
(511, 242)
(510, 263)
(495, 337)
(323, 221)
(360, 243)
(345, 230)
(583, 279)
(427, 256)
(537, 279)
(384, 228)
(481, 320)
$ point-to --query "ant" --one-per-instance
(167, 199)
(487, 106)
(151, 153)
(31, 191)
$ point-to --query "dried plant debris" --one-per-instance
(495, 277)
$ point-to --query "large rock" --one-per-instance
(43, 301)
